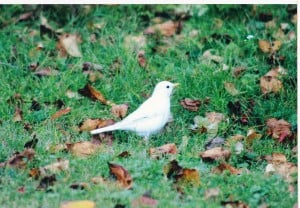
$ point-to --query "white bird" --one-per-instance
(150, 117)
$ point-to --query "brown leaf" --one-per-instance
(144, 201)
(60, 113)
(234, 204)
(98, 180)
(25, 16)
(278, 129)
(124, 154)
(188, 177)
(35, 173)
(78, 204)
(207, 55)
(68, 43)
(214, 117)
(19, 160)
(211, 193)
(92, 93)
(162, 150)
(230, 88)
(167, 29)
(190, 104)
(172, 169)
(251, 136)
(80, 186)
(121, 174)
(60, 165)
(135, 43)
(237, 72)
(18, 116)
(142, 59)
(217, 153)
(91, 124)
(84, 148)
(269, 47)
(46, 182)
(46, 72)
(119, 111)
(270, 83)
(279, 164)
(225, 166)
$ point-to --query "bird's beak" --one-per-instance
(176, 84)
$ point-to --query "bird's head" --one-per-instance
(164, 88)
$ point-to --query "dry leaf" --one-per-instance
(225, 166)
(46, 182)
(122, 175)
(217, 153)
(188, 177)
(19, 160)
(78, 204)
(60, 165)
(237, 72)
(98, 180)
(269, 47)
(207, 55)
(60, 113)
(119, 111)
(251, 136)
(142, 59)
(214, 142)
(92, 93)
(167, 29)
(46, 72)
(278, 129)
(234, 204)
(162, 150)
(18, 115)
(190, 104)
(124, 154)
(135, 43)
(91, 124)
(84, 148)
(279, 164)
(270, 83)
(230, 88)
(35, 173)
(214, 117)
(211, 193)
(68, 43)
(80, 186)
(144, 201)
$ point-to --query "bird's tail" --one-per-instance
(113, 127)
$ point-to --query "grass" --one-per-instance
(181, 63)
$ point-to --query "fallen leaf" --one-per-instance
(119, 111)
(234, 204)
(121, 174)
(84, 148)
(269, 47)
(214, 117)
(92, 66)
(25, 16)
(35, 173)
(98, 180)
(142, 59)
(68, 43)
(214, 142)
(124, 154)
(190, 104)
(92, 93)
(135, 43)
(46, 181)
(217, 153)
(167, 29)
(22, 189)
(19, 160)
(78, 204)
(251, 136)
(91, 124)
(144, 201)
(207, 55)
(46, 28)
(60, 165)
(162, 150)
(80, 186)
(204, 125)
(279, 164)
(225, 166)
(46, 72)
(188, 177)
(278, 129)
(60, 113)
(270, 83)
(172, 169)
(211, 193)
(230, 88)
(18, 115)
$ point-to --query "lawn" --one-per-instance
(233, 136)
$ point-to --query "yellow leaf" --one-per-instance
(78, 204)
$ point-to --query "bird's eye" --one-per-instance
(168, 86)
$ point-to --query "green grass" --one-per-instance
(198, 79)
